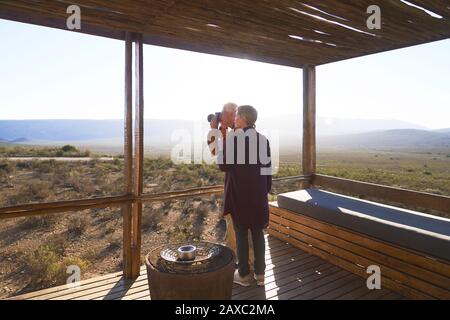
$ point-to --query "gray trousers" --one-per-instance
(259, 249)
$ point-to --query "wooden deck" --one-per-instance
(291, 274)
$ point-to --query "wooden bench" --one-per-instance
(413, 274)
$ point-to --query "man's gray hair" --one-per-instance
(230, 107)
(249, 113)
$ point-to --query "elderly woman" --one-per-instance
(215, 137)
(245, 157)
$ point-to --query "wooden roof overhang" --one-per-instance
(284, 32)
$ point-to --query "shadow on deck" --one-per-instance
(291, 274)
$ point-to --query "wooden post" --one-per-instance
(309, 122)
(128, 157)
(138, 169)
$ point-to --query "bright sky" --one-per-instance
(53, 74)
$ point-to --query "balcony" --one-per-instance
(292, 274)
(307, 258)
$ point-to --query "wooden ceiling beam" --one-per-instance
(288, 32)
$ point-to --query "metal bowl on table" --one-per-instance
(187, 253)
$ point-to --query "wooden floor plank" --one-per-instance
(92, 281)
(280, 280)
(275, 292)
(133, 294)
(325, 288)
(298, 288)
(374, 294)
(344, 289)
(279, 248)
(101, 286)
(276, 265)
(290, 274)
(280, 262)
(274, 243)
(113, 293)
(84, 284)
(300, 280)
(138, 295)
(362, 290)
(274, 273)
(271, 255)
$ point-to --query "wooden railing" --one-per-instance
(34, 209)
(407, 197)
(105, 202)
(131, 230)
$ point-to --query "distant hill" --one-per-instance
(391, 139)
(443, 130)
(292, 125)
(163, 134)
(105, 131)
(59, 130)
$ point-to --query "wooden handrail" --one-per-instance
(168, 196)
(105, 202)
(34, 209)
(402, 196)
(306, 177)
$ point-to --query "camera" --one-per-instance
(217, 116)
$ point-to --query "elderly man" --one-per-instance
(215, 138)
(226, 123)
(245, 158)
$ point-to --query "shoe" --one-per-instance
(259, 279)
(243, 281)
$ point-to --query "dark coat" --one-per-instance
(246, 187)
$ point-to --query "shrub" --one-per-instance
(202, 211)
(183, 227)
(48, 268)
(151, 219)
(71, 261)
(6, 167)
(58, 244)
(78, 224)
(69, 148)
(183, 230)
(43, 266)
(91, 254)
(24, 165)
(80, 183)
(33, 192)
(46, 166)
(166, 207)
(114, 242)
(117, 162)
(40, 221)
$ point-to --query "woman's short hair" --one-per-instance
(249, 113)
